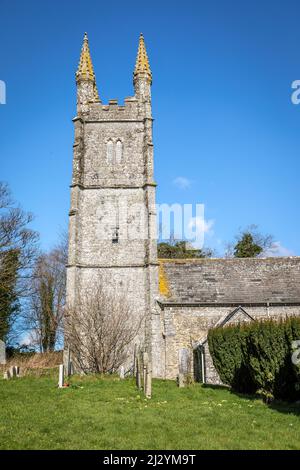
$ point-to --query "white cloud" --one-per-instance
(201, 225)
(182, 183)
(197, 228)
(277, 250)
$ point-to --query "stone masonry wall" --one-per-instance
(184, 327)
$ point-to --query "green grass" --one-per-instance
(106, 413)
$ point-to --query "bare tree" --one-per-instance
(45, 313)
(99, 330)
(18, 249)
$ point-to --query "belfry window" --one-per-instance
(114, 151)
(110, 151)
(119, 151)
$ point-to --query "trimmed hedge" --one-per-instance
(257, 357)
(226, 348)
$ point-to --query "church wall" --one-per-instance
(158, 343)
(183, 327)
(128, 281)
(105, 167)
(128, 284)
(102, 211)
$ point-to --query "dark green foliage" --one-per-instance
(179, 249)
(9, 305)
(292, 332)
(48, 330)
(266, 350)
(246, 247)
(225, 345)
(257, 356)
(18, 247)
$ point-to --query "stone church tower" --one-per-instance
(112, 219)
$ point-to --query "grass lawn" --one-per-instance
(106, 413)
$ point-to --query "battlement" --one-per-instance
(130, 111)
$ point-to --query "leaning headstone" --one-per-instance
(2, 352)
(122, 373)
(61, 376)
(6, 375)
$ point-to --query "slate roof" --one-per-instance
(231, 281)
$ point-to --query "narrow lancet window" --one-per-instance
(119, 151)
(110, 151)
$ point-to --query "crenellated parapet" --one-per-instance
(130, 111)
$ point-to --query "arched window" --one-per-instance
(119, 151)
(110, 151)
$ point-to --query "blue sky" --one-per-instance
(226, 133)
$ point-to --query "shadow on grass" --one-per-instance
(216, 387)
(244, 396)
(278, 405)
(285, 407)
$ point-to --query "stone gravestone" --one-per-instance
(2, 352)
(184, 366)
(61, 376)
(148, 386)
(122, 373)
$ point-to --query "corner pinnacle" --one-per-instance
(85, 69)
(142, 65)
